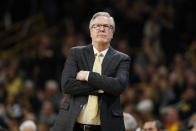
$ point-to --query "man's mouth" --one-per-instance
(103, 36)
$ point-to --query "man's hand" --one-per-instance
(82, 75)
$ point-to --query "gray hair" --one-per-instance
(129, 122)
(28, 123)
(106, 14)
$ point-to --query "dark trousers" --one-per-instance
(83, 127)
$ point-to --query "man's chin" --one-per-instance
(102, 41)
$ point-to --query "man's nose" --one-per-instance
(102, 28)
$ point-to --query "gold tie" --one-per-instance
(92, 104)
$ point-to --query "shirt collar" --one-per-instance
(102, 52)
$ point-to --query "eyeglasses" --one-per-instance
(104, 26)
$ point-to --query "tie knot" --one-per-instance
(99, 54)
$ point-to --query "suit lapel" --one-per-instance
(90, 57)
(107, 60)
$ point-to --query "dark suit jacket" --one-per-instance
(115, 73)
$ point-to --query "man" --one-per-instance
(154, 125)
(94, 76)
(28, 126)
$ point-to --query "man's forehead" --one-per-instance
(102, 20)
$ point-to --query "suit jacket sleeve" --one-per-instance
(69, 84)
(112, 85)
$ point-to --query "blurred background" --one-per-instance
(158, 35)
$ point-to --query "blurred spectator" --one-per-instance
(192, 120)
(13, 108)
(123, 46)
(30, 116)
(128, 96)
(130, 122)
(153, 125)
(171, 120)
(152, 29)
(145, 107)
(187, 105)
(68, 42)
(28, 99)
(43, 127)
(147, 58)
(13, 80)
(194, 128)
(28, 126)
(45, 57)
(47, 114)
(52, 93)
(3, 118)
(2, 72)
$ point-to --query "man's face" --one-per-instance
(150, 126)
(101, 30)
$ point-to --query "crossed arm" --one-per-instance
(77, 82)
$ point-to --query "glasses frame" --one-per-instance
(104, 26)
